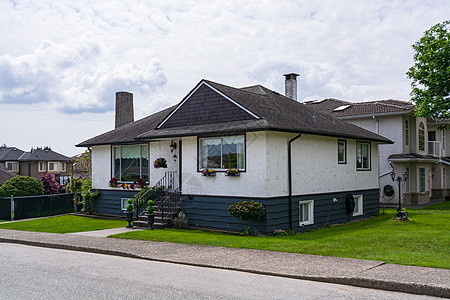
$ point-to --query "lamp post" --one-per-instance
(403, 215)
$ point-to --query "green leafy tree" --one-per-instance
(431, 73)
(22, 186)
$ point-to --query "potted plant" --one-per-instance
(140, 182)
(232, 172)
(113, 182)
(209, 172)
(129, 212)
(160, 163)
(151, 217)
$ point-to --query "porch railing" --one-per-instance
(435, 148)
(170, 205)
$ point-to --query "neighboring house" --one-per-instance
(5, 175)
(419, 149)
(288, 156)
(36, 163)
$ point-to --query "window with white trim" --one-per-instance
(444, 176)
(12, 166)
(362, 156)
(124, 203)
(52, 166)
(421, 136)
(63, 166)
(358, 210)
(306, 212)
(42, 166)
(222, 153)
(422, 181)
(130, 162)
(342, 151)
(443, 139)
(406, 132)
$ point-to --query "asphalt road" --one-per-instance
(28, 272)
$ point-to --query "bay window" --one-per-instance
(221, 153)
(130, 162)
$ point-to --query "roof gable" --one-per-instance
(206, 105)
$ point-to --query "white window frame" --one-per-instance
(369, 156)
(63, 166)
(141, 167)
(55, 164)
(443, 139)
(14, 166)
(124, 203)
(310, 204)
(344, 142)
(200, 158)
(421, 128)
(42, 166)
(407, 132)
(359, 209)
(424, 180)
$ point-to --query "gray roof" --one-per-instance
(10, 153)
(5, 175)
(275, 111)
(329, 106)
(43, 155)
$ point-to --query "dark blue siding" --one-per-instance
(108, 203)
(211, 212)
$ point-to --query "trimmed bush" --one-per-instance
(22, 186)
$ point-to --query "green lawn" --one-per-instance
(422, 241)
(64, 224)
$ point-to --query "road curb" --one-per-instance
(411, 288)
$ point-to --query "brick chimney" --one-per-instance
(124, 108)
(290, 85)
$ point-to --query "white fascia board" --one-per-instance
(376, 115)
(444, 162)
(220, 93)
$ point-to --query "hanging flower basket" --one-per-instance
(232, 172)
(209, 172)
(160, 163)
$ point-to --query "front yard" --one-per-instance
(422, 241)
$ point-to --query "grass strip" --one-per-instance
(63, 224)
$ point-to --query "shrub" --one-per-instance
(89, 197)
(50, 185)
(181, 222)
(245, 210)
(150, 208)
(130, 205)
(22, 186)
(152, 193)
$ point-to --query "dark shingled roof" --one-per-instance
(43, 155)
(360, 108)
(10, 153)
(5, 175)
(276, 113)
(412, 156)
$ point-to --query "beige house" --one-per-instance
(420, 148)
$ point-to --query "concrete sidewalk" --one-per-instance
(362, 273)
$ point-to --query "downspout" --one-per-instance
(290, 178)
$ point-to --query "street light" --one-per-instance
(403, 215)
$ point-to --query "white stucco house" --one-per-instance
(299, 162)
(420, 148)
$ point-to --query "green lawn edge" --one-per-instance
(64, 224)
(422, 241)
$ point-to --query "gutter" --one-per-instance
(290, 178)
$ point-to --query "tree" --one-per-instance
(50, 184)
(21, 186)
(431, 73)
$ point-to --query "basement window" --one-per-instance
(306, 212)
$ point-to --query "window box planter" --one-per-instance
(232, 173)
(209, 172)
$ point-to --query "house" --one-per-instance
(35, 163)
(289, 158)
(420, 148)
(5, 175)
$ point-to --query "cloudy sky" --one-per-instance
(61, 62)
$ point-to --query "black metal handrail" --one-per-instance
(170, 204)
(166, 183)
